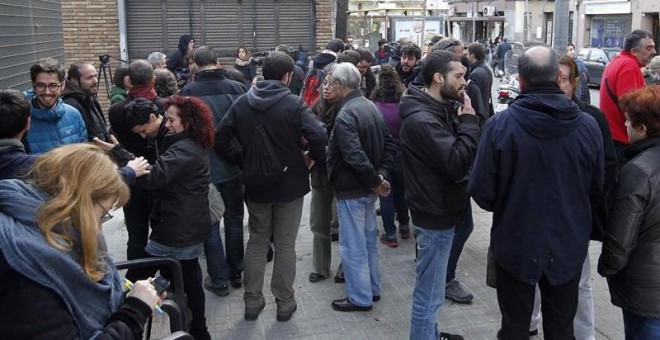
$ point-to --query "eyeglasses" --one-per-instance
(42, 87)
(106, 214)
(331, 83)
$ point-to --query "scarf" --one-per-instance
(144, 91)
(241, 62)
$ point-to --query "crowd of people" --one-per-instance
(184, 134)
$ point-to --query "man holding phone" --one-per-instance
(439, 137)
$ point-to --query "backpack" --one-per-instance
(312, 85)
(261, 166)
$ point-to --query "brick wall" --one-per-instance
(91, 28)
(324, 22)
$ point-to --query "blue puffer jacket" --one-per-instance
(50, 128)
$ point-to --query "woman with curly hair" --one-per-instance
(179, 181)
(386, 96)
(58, 281)
(166, 84)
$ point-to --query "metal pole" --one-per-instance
(423, 25)
(526, 23)
(474, 22)
(560, 27)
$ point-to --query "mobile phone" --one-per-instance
(161, 284)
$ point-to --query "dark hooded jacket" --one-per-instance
(176, 59)
(287, 120)
(630, 258)
(360, 147)
(14, 161)
(438, 149)
(539, 169)
(411, 76)
(90, 109)
(219, 93)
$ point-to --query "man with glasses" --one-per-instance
(53, 123)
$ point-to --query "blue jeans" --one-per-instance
(216, 264)
(461, 235)
(395, 202)
(639, 327)
(429, 292)
(358, 248)
(232, 193)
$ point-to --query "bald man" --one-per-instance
(538, 167)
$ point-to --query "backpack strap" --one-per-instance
(611, 93)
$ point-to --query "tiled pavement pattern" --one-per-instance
(390, 318)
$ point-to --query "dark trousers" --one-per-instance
(394, 204)
(192, 286)
(232, 193)
(136, 217)
(516, 301)
(461, 235)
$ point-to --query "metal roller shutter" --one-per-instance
(222, 24)
(29, 30)
(144, 26)
(266, 25)
(295, 23)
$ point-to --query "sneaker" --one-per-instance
(389, 241)
(447, 336)
(404, 231)
(455, 291)
(236, 280)
(219, 290)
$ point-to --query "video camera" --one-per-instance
(104, 58)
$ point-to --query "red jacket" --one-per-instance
(622, 75)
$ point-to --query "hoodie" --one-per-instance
(55, 126)
(117, 94)
(287, 120)
(539, 169)
(437, 150)
(176, 59)
(25, 250)
(14, 162)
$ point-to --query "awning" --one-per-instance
(468, 19)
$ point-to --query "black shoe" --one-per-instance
(200, 333)
(345, 305)
(314, 277)
(334, 237)
(236, 280)
(269, 256)
(447, 336)
(378, 212)
(219, 290)
(253, 313)
(286, 316)
(339, 278)
(375, 298)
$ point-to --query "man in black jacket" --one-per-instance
(277, 120)
(360, 153)
(219, 93)
(136, 212)
(438, 145)
(408, 67)
(81, 91)
(482, 77)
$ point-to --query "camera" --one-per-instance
(104, 58)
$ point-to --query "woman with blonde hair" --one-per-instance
(57, 278)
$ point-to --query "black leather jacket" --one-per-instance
(360, 147)
(630, 258)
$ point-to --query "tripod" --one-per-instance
(105, 71)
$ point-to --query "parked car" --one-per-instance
(596, 59)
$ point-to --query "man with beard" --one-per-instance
(407, 67)
(438, 144)
(80, 92)
(538, 169)
(53, 122)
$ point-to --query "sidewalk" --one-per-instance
(390, 318)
